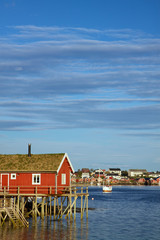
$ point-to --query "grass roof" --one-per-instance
(37, 162)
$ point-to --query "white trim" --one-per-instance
(65, 156)
(13, 176)
(36, 174)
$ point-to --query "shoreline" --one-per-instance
(95, 185)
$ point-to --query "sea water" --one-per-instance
(128, 213)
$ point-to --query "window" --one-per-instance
(36, 179)
(13, 175)
(63, 178)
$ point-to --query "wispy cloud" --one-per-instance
(79, 77)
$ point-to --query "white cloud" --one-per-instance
(66, 71)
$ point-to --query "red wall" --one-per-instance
(25, 180)
(65, 168)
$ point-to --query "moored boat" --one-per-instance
(107, 188)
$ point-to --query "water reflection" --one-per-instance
(47, 229)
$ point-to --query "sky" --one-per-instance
(82, 77)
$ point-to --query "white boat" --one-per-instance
(107, 188)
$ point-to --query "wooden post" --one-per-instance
(54, 214)
(61, 207)
(35, 206)
(18, 199)
(50, 210)
(75, 204)
(87, 202)
(70, 202)
(46, 204)
(67, 203)
(42, 208)
(22, 205)
(14, 203)
(81, 202)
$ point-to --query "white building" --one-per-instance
(116, 171)
(136, 172)
(85, 175)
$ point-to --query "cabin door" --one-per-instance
(5, 182)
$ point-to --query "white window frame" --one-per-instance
(13, 176)
(36, 175)
(63, 178)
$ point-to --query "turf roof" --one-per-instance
(37, 162)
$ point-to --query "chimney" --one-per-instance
(29, 150)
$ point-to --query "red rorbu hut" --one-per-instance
(40, 173)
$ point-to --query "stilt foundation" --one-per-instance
(18, 206)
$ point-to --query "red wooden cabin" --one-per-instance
(37, 173)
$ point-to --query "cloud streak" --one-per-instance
(74, 78)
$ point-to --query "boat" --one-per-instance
(107, 188)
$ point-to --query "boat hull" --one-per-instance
(107, 189)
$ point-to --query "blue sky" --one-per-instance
(82, 77)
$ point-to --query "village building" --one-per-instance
(113, 176)
(99, 173)
(153, 174)
(85, 173)
(116, 171)
(136, 172)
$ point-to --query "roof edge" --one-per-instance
(65, 156)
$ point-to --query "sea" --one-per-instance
(127, 213)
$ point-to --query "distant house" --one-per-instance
(116, 171)
(136, 172)
(153, 174)
(45, 172)
(154, 181)
(158, 180)
(141, 180)
(85, 173)
(99, 173)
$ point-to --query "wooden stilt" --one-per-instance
(22, 205)
(70, 203)
(75, 203)
(42, 208)
(14, 202)
(35, 205)
(61, 206)
(46, 206)
(54, 210)
(81, 202)
(18, 202)
(50, 206)
(87, 202)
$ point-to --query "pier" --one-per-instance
(17, 203)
